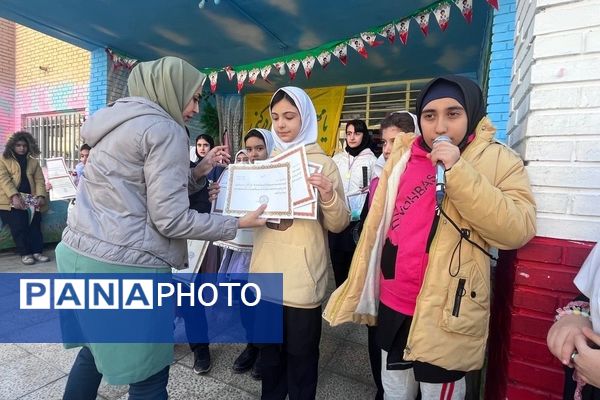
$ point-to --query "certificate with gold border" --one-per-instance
(302, 191)
(251, 185)
(309, 211)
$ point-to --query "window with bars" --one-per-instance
(373, 102)
(57, 134)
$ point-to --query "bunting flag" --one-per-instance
(466, 9)
(388, 32)
(341, 52)
(241, 77)
(442, 15)
(402, 28)
(121, 61)
(371, 38)
(279, 65)
(423, 21)
(324, 59)
(493, 3)
(339, 48)
(230, 72)
(308, 64)
(265, 71)
(212, 77)
(358, 45)
(293, 67)
(253, 75)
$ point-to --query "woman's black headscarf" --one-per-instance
(474, 103)
(359, 126)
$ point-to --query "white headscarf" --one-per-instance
(378, 168)
(309, 129)
(267, 136)
(242, 151)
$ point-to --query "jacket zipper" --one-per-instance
(460, 292)
(434, 225)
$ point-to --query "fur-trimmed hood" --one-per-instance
(21, 136)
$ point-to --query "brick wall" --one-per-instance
(107, 83)
(7, 80)
(530, 284)
(98, 85)
(117, 83)
(51, 75)
(555, 112)
(503, 28)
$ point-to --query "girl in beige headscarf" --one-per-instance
(132, 215)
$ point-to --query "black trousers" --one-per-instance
(198, 314)
(292, 368)
(340, 261)
(341, 250)
(375, 360)
(27, 236)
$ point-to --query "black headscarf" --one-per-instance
(365, 143)
(474, 103)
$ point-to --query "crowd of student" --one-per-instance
(415, 270)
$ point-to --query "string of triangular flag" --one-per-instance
(121, 61)
(322, 54)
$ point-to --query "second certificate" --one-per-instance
(251, 185)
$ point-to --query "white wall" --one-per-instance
(555, 112)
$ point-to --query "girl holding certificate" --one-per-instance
(298, 249)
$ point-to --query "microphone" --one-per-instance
(440, 174)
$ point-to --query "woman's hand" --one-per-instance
(213, 191)
(17, 202)
(41, 201)
(323, 185)
(561, 336)
(218, 155)
(253, 219)
(587, 360)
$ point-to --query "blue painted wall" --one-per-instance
(98, 80)
(503, 29)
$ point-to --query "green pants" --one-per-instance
(119, 363)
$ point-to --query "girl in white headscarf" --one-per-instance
(259, 144)
(298, 249)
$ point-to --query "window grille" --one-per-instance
(373, 102)
(57, 134)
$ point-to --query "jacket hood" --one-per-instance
(107, 119)
(32, 147)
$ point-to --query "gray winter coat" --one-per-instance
(132, 204)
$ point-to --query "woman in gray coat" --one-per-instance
(132, 212)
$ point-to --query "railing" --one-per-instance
(57, 134)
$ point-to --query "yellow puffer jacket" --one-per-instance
(10, 179)
(301, 252)
(488, 193)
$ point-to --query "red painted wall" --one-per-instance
(529, 285)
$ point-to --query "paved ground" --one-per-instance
(39, 371)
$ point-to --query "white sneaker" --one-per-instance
(40, 257)
(27, 260)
